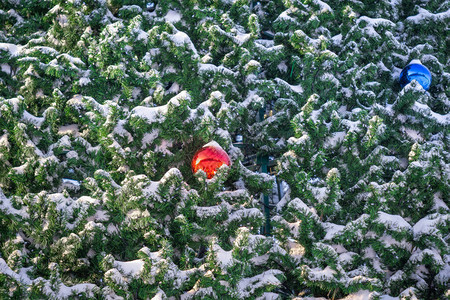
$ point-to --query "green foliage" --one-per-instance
(103, 105)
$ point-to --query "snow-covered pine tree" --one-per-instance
(104, 103)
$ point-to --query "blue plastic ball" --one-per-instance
(151, 6)
(418, 72)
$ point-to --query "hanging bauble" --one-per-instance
(150, 6)
(415, 70)
(209, 159)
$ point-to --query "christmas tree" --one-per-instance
(336, 180)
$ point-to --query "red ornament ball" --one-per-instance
(209, 159)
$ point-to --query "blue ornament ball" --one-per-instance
(150, 6)
(415, 70)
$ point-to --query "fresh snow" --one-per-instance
(149, 138)
(299, 205)
(7, 207)
(89, 200)
(335, 139)
(180, 38)
(174, 88)
(13, 50)
(413, 134)
(323, 6)
(393, 222)
(438, 201)
(224, 258)
(84, 81)
(268, 296)
(241, 38)
(425, 110)
(282, 67)
(415, 61)
(246, 286)
(425, 16)
(111, 196)
(172, 16)
(208, 211)
(332, 230)
(29, 118)
(252, 213)
(150, 114)
(205, 68)
(71, 129)
(428, 225)
(296, 250)
(373, 23)
(5, 68)
(21, 277)
(131, 268)
(64, 291)
(71, 183)
(213, 144)
(318, 274)
(360, 295)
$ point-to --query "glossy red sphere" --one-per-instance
(209, 159)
